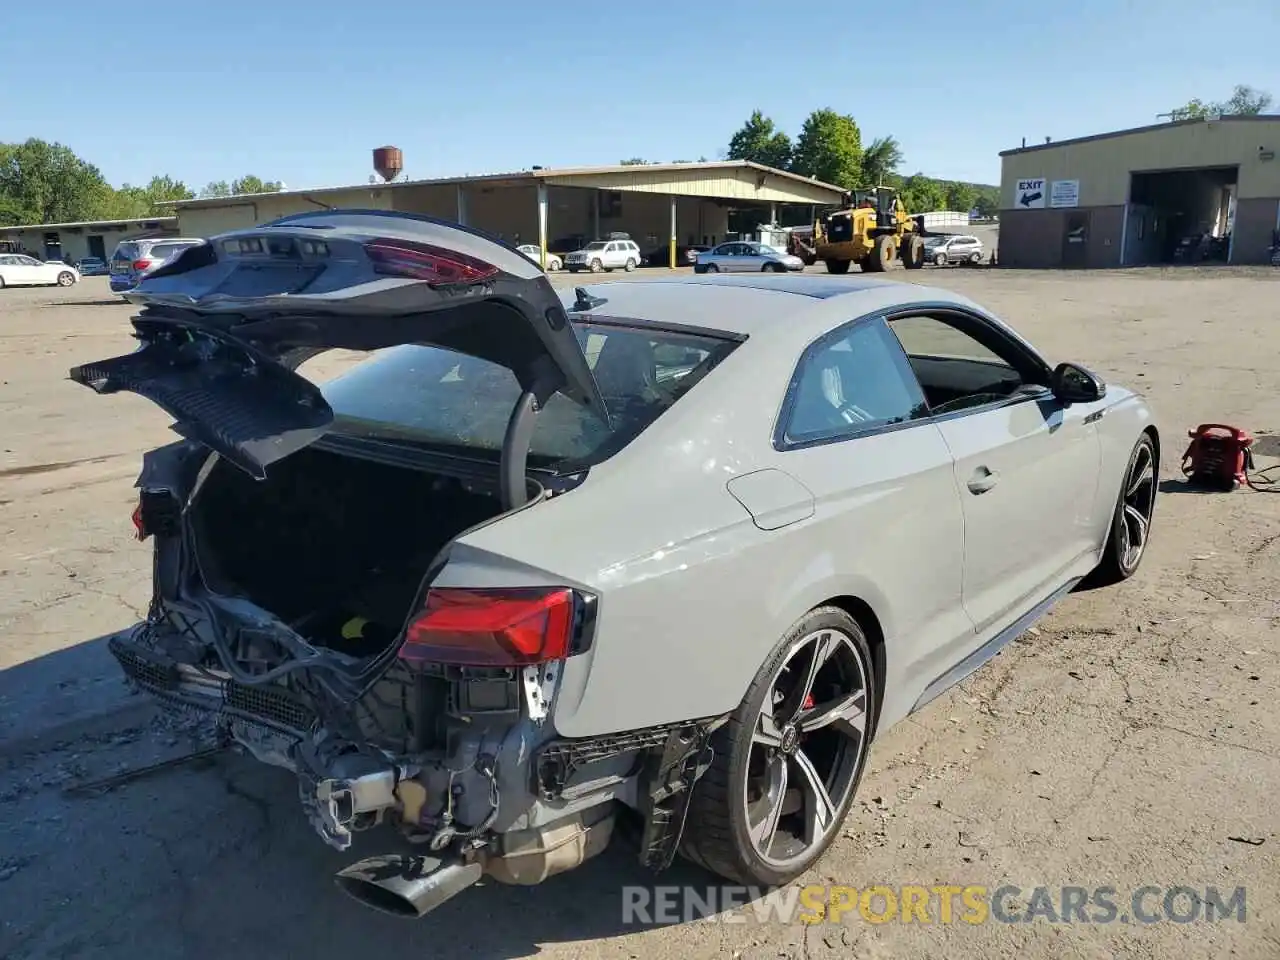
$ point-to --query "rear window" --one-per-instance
(126, 251)
(163, 251)
(433, 396)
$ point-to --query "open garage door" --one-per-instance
(1180, 216)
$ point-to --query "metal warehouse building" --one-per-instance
(659, 205)
(89, 238)
(1126, 198)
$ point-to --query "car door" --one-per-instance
(854, 431)
(740, 262)
(753, 258)
(1026, 467)
(254, 304)
(26, 272)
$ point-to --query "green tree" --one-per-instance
(880, 161)
(960, 196)
(1244, 101)
(761, 142)
(921, 194)
(252, 184)
(43, 182)
(987, 203)
(215, 189)
(829, 148)
(166, 189)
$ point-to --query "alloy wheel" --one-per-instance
(807, 748)
(1138, 502)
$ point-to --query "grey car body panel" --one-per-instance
(773, 497)
(693, 593)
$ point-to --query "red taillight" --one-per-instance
(138, 526)
(420, 261)
(492, 628)
(142, 265)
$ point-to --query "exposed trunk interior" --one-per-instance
(334, 545)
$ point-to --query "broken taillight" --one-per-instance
(420, 261)
(492, 628)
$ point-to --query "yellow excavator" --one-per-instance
(870, 228)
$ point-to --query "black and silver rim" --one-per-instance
(1136, 506)
(807, 748)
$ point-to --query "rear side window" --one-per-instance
(850, 382)
(163, 251)
(428, 395)
(126, 251)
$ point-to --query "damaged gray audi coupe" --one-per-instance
(666, 553)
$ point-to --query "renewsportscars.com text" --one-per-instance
(936, 903)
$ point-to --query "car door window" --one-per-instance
(853, 381)
(959, 363)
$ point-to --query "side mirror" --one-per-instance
(1072, 383)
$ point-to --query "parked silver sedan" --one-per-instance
(742, 256)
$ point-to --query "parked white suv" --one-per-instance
(604, 255)
(957, 249)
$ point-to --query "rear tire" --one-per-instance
(1131, 521)
(788, 762)
(913, 251)
(975, 258)
(630, 265)
(66, 279)
(882, 254)
(837, 266)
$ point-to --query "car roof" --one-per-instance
(754, 305)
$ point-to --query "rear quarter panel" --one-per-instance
(693, 594)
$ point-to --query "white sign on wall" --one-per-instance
(1065, 193)
(1030, 194)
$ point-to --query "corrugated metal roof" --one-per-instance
(529, 176)
(90, 223)
(1149, 128)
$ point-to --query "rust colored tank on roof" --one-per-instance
(388, 162)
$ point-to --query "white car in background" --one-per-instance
(19, 270)
(534, 253)
(619, 251)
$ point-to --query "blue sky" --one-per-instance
(302, 91)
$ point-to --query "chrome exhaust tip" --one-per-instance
(409, 887)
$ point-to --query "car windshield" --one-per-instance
(432, 396)
(598, 245)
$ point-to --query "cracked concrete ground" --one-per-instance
(1131, 739)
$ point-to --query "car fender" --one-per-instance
(1124, 416)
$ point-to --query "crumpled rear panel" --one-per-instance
(252, 413)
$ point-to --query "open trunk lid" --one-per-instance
(224, 325)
